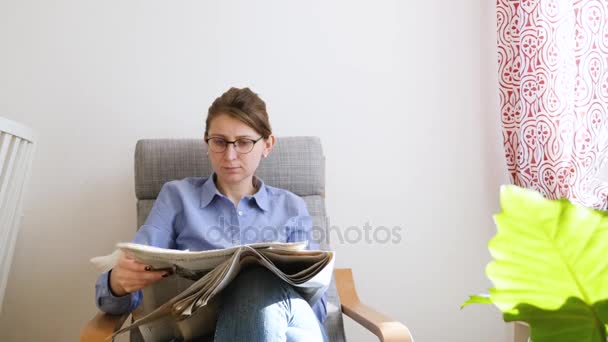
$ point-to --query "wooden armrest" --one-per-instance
(384, 327)
(101, 327)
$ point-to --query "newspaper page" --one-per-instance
(193, 312)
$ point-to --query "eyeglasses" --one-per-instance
(241, 145)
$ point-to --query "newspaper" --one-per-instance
(193, 312)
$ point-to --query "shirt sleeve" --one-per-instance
(300, 228)
(107, 302)
(156, 231)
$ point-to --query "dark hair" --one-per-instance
(243, 105)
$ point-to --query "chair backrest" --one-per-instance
(16, 153)
(296, 164)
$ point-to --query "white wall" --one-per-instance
(400, 92)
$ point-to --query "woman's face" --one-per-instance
(231, 167)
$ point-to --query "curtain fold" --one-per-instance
(553, 86)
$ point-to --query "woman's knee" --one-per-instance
(257, 299)
(257, 285)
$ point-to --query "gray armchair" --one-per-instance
(296, 164)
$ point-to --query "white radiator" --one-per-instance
(16, 152)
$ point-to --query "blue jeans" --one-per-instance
(258, 306)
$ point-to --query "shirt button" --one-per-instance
(240, 213)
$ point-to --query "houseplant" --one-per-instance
(550, 267)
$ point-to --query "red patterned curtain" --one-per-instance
(553, 80)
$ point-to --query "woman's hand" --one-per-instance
(130, 275)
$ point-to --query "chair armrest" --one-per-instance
(384, 327)
(101, 327)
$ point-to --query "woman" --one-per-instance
(230, 207)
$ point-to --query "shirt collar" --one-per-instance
(261, 196)
(209, 192)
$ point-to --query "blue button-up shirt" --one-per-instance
(192, 214)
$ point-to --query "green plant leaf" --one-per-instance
(477, 299)
(550, 265)
(573, 321)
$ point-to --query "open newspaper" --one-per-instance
(192, 313)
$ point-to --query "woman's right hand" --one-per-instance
(130, 275)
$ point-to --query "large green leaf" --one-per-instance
(573, 321)
(550, 266)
